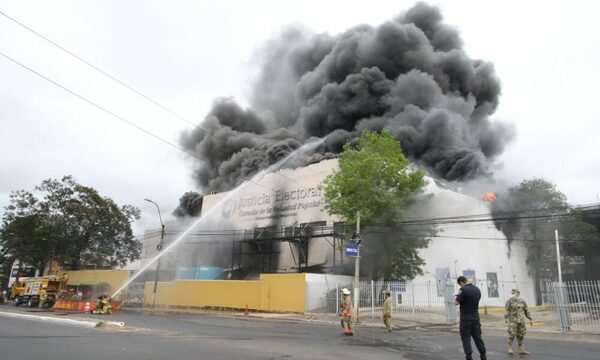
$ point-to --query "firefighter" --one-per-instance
(63, 281)
(516, 312)
(103, 305)
(346, 312)
(42, 299)
(387, 311)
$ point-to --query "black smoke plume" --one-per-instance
(190, 204)
(409, 75)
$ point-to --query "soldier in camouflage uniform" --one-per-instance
(516, 312)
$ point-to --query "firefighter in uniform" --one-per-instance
(103, 306)
(387, 311)
(516, 312)
(346, 312)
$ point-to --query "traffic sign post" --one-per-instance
(351, 250)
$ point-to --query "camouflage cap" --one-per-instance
(515, 291)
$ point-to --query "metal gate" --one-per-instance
(422, 302)
(576, 305)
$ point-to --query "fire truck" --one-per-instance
(39, 291)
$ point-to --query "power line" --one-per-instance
(101, 71)
(228, 241)
(114, 79)
(488, 217)
(428, 221)
(147, 235)
(119, 82)
(113, 114)
(99, 106)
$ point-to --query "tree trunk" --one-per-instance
(18, 272)
(41, 267)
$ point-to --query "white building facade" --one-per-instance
(291, 198)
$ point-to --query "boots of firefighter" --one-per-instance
(510, 348)
(522, 350)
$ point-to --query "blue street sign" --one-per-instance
(351, 250)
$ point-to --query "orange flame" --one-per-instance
(489, 196)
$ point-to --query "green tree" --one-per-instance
(72, 224)
(27, 231)
(6, 261)
(374, 179)
(551, 212)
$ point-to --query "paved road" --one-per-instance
(227, 337)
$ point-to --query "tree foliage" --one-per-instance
(6, 261)
(542, 198)
(72, 224)
(27, 231)
(374, 179)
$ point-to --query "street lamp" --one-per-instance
(158, 248)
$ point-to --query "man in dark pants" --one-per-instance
(468, 299)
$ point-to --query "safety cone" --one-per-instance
(246, 311)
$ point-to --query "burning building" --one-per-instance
(277, 224)
(409, 75)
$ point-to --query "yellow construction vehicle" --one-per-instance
(16, 290)
(39, 291)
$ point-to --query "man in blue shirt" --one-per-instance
(468, 299)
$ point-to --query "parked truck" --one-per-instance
(41, 291)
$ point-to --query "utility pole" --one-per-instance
(562, 301)
(158, 249)
(357, 268)
(558, 258)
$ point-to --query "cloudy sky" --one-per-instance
(184, 54)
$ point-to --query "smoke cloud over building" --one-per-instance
(410, 75)
(190, 204)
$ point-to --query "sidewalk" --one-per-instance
(492, 322)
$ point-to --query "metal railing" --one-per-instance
(421, 302)
(576, 305)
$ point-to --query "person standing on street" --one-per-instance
(387, 311)
(516, 312)
(346, 312)
(470, 325)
